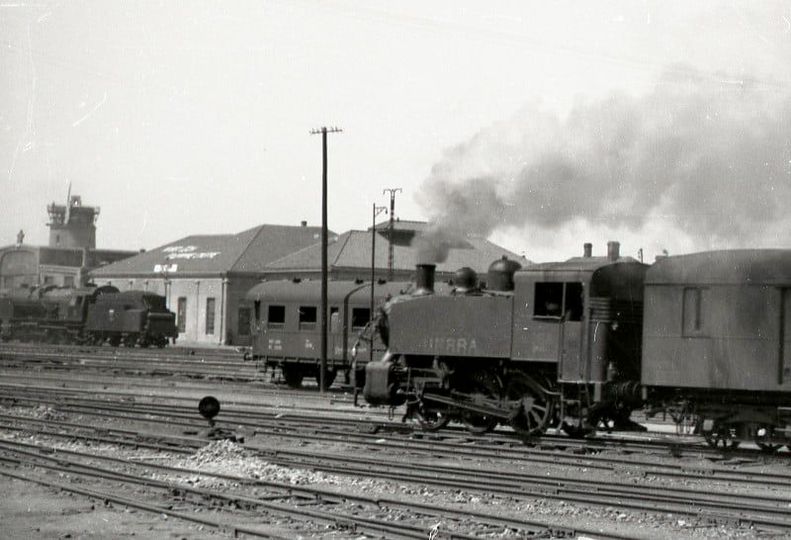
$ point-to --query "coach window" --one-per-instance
(360, 317)
(307, 317)
(68, 281)
(693, 324)
(335, 318)
(276, 316)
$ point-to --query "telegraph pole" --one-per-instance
(324, 241)
(391, 227)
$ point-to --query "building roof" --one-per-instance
(246, 252)
(352, 249)
(737, 266)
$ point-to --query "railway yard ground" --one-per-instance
(108, 443)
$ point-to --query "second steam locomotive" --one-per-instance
(88, 315)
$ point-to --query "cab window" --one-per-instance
(559, 300)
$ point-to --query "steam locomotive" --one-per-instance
(580, 344)
(89, 315)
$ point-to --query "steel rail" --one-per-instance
(522, 453)
(556, 488)
(112, 497)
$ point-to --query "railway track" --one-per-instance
(709, 506)
(323, 503)
(296, 430)
(312, 413)
(204, 364)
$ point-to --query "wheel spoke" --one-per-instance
(534, 407)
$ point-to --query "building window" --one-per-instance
(693, 312)
(308, 315)
(276, 316)
(68, 281)
(209, 316)
(49, 280)
(360, 317)
(181, 314)
(244, 321)
(558, 300)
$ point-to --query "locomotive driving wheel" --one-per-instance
(534, 410)
(429, 419)
(481, 387)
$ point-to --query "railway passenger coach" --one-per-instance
(717, 343)
(287, 332)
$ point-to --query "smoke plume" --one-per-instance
(711, 159)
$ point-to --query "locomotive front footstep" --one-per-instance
(209, 408)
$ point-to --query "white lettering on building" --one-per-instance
(164, 268)
(188, 252)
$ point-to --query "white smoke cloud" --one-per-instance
(706, 159)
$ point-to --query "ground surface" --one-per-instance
(30, 511)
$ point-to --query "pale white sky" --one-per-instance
(181, 118)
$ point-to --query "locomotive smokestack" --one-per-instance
(587, 250)
(424, 278)
(613, 250)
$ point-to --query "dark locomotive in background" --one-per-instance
(578, 344)
(89, 315)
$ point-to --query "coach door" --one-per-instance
(785, 338)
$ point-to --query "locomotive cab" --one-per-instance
(582, 319)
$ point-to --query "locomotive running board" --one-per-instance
(467, 406)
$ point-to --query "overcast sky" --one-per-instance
(181, 118)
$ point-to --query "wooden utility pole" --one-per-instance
(324, 242)
(392, 192)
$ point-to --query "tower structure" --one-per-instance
(72, 225)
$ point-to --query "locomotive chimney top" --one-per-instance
(613, 250)
(587, 250)
(303, 223)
